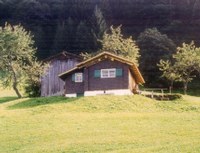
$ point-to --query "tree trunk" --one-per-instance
(16, 90)
(185, 87)
(15, 85)
(171, 87)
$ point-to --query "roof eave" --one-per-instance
(138, 75)
(120, 59)
(67, 72)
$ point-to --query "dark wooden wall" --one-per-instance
(90, 83)
(74, 87)
(51, 84)
(107, 83)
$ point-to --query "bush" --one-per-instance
(33, 90)
(165, 96)
(174, 96)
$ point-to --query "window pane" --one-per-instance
(78, 77)
(112, 73)
(104, 73)
(108, 73)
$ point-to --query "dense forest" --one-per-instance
(69, 24)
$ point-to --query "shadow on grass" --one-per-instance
(7, 99)
(34, 102)
(190, 92)
(195, 92)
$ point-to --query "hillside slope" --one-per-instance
(134, 103)
(100, 124)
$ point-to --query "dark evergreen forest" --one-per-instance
(70, 24)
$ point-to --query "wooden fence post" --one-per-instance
(152, 94)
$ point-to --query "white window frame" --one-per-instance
(78, 77)
(108, 71)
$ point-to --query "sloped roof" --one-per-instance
(64, 54)
(103, 56)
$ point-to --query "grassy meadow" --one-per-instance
(110, 124)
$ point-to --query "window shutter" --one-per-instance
(118, 72)
(97, 73)
(73, 77)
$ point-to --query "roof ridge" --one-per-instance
(62, 53)
(108, 53)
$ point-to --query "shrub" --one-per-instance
(33, 90)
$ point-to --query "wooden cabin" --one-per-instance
(105, 73)
(51, 84)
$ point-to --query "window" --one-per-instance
(78, 77)
(108, 73)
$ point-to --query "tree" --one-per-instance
(169, 72)
(99, 26)
(64, 36)
(59, 42)
(32, 82)
(115, 42)
(83, 37)
(17, 58)
(153, 47)
(186, 63)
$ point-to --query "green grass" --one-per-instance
(33, 102)
(114, 124)
(7, 99)
(194, 92)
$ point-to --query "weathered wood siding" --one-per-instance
(51, 84)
